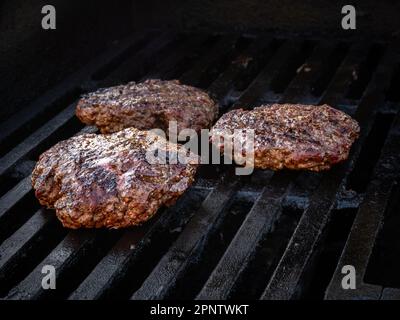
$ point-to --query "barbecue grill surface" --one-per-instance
(280, 235)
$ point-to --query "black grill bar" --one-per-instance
(291, 268)
(159, 259)
(368, 222)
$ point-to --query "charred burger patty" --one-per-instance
(106, 180)
(293, 136)
(147, 105)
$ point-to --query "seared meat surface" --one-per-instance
(293, 136)
(95, 180)
(147, 105)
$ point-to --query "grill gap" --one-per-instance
(214, 70)
(7, 182)
(393, 93)
(201, 267)
(282, 80)
(360, 176)
(363, 73)
(384, 264)
(190, 58)
(162, 54)
(255, 65)
(323, 267)
(105, 70)
(246, 77)
(18, 214)
(329, 68)
(251, 282)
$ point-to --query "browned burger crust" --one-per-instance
(294, 136)
(147, 105)
(99, 180)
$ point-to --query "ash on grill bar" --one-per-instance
(271, 235)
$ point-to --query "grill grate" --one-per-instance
(261, 236)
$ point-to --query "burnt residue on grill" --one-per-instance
(290, 232)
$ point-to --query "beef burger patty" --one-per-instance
(147, 105)
(293, 136)
(100, 180)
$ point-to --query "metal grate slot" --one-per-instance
(204, 262)
(306, 73)
(250, 285)
(336, 91)
(258, 222)
(281, 80)
(331, 63)
(369, 155)
(335, 238)
(175, 261)
(384, 264)
(138, 45)
(393, 92)
(219, 66)
(363, 73)
(251, 61)
(242, 71)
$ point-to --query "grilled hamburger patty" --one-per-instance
(147, 105)
(106, 181)
(293, 136)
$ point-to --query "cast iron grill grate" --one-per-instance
(280, 235)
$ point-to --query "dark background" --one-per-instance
(32, 59)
